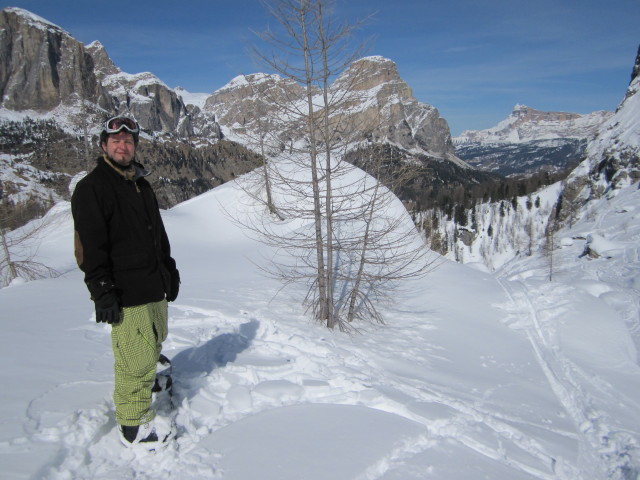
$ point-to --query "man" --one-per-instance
(122, 247)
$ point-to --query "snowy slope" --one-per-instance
(497, 232)
(475, 376)
(617, 143)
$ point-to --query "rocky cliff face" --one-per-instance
(73, 88)
(48, 68)
(252, 108)
(157, 107)
(103, 66)
(384, 105)
(375, 104)
(43, 66)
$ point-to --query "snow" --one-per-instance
(196, 99)
(129, 82)
(526, 124)
(621, 130)
(475, 375)
(240, 81)
(33, 19)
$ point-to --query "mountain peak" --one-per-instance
(520, 108)
(103, 64)
(371, 72)
(251, 80)
(526, 124)
(43, 65)
(376, 59)
(32, 19)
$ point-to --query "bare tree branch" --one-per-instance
(339, 231)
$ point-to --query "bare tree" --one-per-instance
(342, 235)
(383, 248)
(259, 135)
(18, 250)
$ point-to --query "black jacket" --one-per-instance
(121, 242)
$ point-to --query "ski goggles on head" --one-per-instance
(118, 124)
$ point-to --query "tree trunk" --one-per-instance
(322, 312)
(13, 274)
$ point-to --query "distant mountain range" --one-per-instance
(55, 92)
(530, 140)
(526, 124)
(493, 232)
(59, 88)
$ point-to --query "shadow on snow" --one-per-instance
(200, 361)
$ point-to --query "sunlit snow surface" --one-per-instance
(505, 376)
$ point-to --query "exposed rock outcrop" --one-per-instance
(526, 124)
(374, 104)
(43, 66)
(384, 106)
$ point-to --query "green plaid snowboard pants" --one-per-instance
(137, 342)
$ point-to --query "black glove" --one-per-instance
(108, 308)
(175, 286)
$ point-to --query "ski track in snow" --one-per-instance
(605, 451)
(521, 410)
(228, 368)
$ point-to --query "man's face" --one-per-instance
(120, 147)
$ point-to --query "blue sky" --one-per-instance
(473, 60)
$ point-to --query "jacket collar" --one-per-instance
(133, 172)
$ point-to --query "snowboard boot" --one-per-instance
(163, 382)
(152, 435)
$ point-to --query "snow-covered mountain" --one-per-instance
(55, 94)
(374, 99)
(494, 233)
(530, 140)
(72, 88)
(161, 109)
(613, 157)
(526, 124)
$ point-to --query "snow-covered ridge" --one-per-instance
(623, 128)
(613, 157)
(196, 99)
(240, 81)
(378, 58)
(526, 124)
(34, 20)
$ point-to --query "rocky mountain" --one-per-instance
(384, 108)
(374, 99)
(55, 92)
(526, 124)
(253, 107)
(45, 70)
(43, 66)
(530, 140)
(54, 85)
